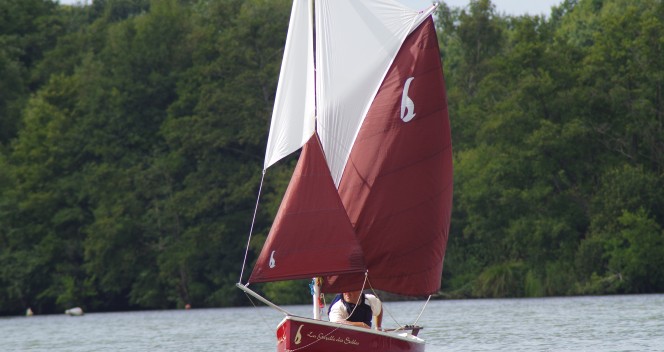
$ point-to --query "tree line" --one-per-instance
(132, 135)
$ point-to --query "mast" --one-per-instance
(316, 281)
(316, 298)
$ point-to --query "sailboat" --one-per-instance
(361, 93)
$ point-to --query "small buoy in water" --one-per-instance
(74, 311)
(28, 312)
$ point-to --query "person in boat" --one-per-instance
(345, 309)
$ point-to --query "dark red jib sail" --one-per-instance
(397, 184)
(311, 234)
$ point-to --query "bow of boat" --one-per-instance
(303, 334)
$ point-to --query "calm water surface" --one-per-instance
(608, 323)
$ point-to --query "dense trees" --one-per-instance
(132, 136)
(558, 176)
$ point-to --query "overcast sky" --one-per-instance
(511, 7)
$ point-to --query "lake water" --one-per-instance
(605, 323)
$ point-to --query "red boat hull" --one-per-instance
(303, 334)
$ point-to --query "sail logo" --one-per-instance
(407, 105)
(272, 263)
(298, 336)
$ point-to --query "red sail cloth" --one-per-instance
(311, 234)
(397, 184)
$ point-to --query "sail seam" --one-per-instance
(418, 161)
(416, 205)
(404, 275)
(365, 182)
(304, 276)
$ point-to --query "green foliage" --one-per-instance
(501, 280)
(596, 285)
(28, 28)
(131, 181)
(132, 135)
(288, 292)
(637, 253)
(533, 286)
(550, 153)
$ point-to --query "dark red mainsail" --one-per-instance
(397, 184)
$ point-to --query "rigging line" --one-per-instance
(251, 229)
(383, 307)
(422, 311)
(259, 314)
(366, 279)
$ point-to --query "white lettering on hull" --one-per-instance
(332, 338)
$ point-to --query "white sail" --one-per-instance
(293, 114)
(352, 78)
(370, 35)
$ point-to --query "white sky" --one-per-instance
(71, 2)
(510, 7)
